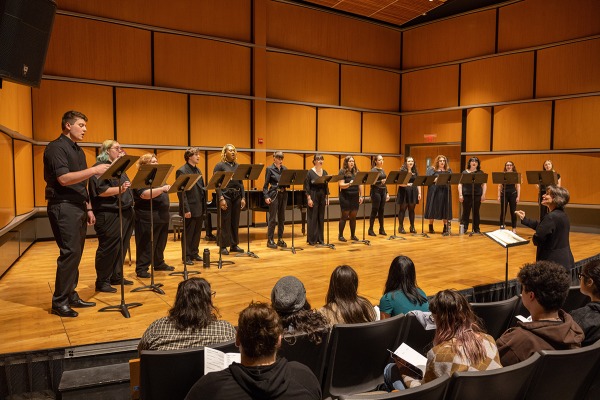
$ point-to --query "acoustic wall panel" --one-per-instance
(430, 88)
(338, 130)
(291, 127)
(380, 133)
(522, 126)
(370, 88)
(215, 121)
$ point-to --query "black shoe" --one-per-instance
(164, 267)
(118, 282)
(106, 288)
(189, 262)
(281, 243)
(236, 249)
(353, 237)
(412, 229)
(502, 227)
(143, 274)
(224, 251)
(477, 231)
(210, 238)
(382, 232)
(271, 244)
(196, 257)
(81, 304)
(64, 311)
(371, 233)
(445, 230)
(401, 229)
(342, 239)
(431, 228)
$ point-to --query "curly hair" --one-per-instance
(413, 170)
(347, 170)
(306, 321)
(548, 281)
(259, 330)
(560, 195)
(193, 306)
(342, 293)
(224, 152)
(439, 158)
(146, 159)
(591, 270)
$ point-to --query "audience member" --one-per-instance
(343, 304)
(401, 293)
(588, 317)
(545, 286)
(259, 375)
(192, 322)
(460, 344)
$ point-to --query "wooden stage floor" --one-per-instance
(442, 262)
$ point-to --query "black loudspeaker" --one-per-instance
(25, 27)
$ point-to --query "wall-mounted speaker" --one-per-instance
(25, 27)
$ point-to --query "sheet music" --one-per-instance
(506, 238)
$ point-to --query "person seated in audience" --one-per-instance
(401, 293)
(344, 305)
(260, 375)
(460, 344)
(288, 298)
(544, 289)
(588, 317)
(192, 321)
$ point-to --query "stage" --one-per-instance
(457, 262)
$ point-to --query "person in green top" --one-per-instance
(401, 293)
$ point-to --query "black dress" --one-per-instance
(408, 195)
(439, 199)
(349, 196)
(315, 215)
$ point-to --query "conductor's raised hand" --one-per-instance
(520, 214)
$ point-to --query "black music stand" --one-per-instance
(289, 178)
(326, 179)
(540, 178)
(448, 179)
(506, 239)
(505, 178)
(219, 180)
(247, 172)
(364, 178)
(397, 178)
(423, 180)
(114, 172)
(472, 179)
(150, 176)
(183, 183)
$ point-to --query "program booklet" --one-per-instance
(411, 359)
(215, 360)
(506, 238)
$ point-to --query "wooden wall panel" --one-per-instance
(215, 121)
(446, 126)
(497, 79)
(568, 69)
(15, 108)
(151, 117)
(298, 28)
(299, 78)
(23, 154)
(54, 98)
(228, 19)
(430, 88)
(7, 200)
(522, 126)
(338, 130)
(535, 22)
(370, 88)
(479, 129)
(577, 123)
(192, 63)
(380, 133)
(291, 127)
(120, 53)
(363, 163)
(462, 37)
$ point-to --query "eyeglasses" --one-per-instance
(580, 275)
(117, 148)
(319, 158)
(213, 293)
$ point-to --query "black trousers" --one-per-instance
(315, 218)
(277, 215)
(193, 229)
(471, 202)
(68, 222)
(230, 222)
(143, 243)
(511, 201)
(109, 263)
(378, 196)
(411, 214)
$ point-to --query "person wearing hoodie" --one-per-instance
(545, 286)
(588, 316)
(260, 375)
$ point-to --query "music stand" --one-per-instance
(247, 172)
(397, 178)
(423, 180)
(445, 179)
(219, 180)
(472, 179)
(150, 176)
(505, 178)
(183, 183)
(114, 172)
(506, 239)
(364, 178)
(326, 179)
(289, 177)
(540, 178)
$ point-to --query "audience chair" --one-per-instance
(433, 390)
(357, 355)
(575, 299)
(300, 348)
(508, 383)
(415, 335)
(497, 315)
(564, 374)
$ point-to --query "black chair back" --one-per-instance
(415, 335)
(497, 315)
(575, 299)
(299, 348)
(434, 390)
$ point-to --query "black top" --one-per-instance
(194, 198)
(233, 185)
(109, 203)
(160, 206)
(272, 176)
(310, 186)
(349, 176)
(552, 238)
(381, 177)
(466, 187)
(62, 156)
